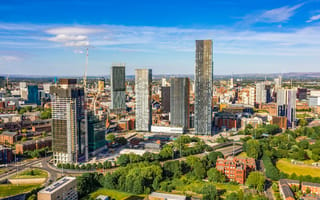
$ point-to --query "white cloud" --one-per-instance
(63, 38)
(276, 15)
(73, 30)
(313, 18)
(9, 58)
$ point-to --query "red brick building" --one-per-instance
(8, 137)
(236, 169)
(33, 145)
(314, 187)
(280, 121)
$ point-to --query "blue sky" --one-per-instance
(50, 37)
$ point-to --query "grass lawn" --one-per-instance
(117, 195)
(197, 185)
(11, 189)
(285, 165)
(31, 173)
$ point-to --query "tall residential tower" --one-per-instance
(68, 122)
(118, 87)
(203, 87)
(143, 80)
(179, 102)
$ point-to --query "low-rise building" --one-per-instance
(313, 187)
(236, 169)
(254, 122)
(8, 137)
(285, 190)
(6, 155)
(281, 121)
(63, 189)
(33, 145)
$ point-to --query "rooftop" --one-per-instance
(58, 184)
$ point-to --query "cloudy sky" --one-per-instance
(51, 37)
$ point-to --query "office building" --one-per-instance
(143, 80)
(179, 102)
(286, 105)
(33, 95)
(165, 99)
(118, 87)
(203, 87)
(63, 189)
(96, 133)
(69, 135)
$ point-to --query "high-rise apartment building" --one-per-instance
(278, 83)
(286, 105)
(261, 93)
(69, 134)
(118, 87)
(143, 80)
(165, 99)
(179, 102)
(203, 87)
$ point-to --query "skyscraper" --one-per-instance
(69, 137)
(286, 105)
(118, 87)
(143, 80)
(165, 99)
(203, 87)
(179, 102)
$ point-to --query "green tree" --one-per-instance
(87, 183)
(256, 180)
(172, 169)
(209, 192)
(111, 137)
(253, 148)
(233, 196)
(123, 160)
(215, 175)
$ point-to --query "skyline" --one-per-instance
(266, 37)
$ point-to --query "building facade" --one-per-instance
(96, 133)
(63, 189)
(236, 169)
(143, 80)
(286, 105)
(203, 87)
(165, 99)
(118, 87)
(179, 102)
(69, 135)
(33, 94)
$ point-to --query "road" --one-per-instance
(19, 167)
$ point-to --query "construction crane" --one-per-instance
(85, 104)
